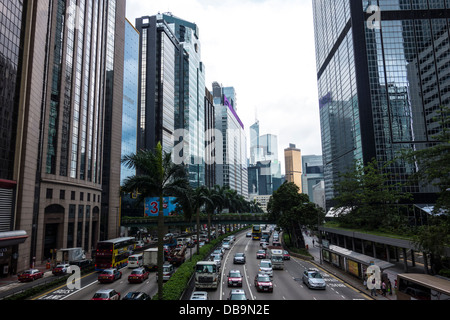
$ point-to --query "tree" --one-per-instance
(156, 176)
(292, 210)
(366, 197)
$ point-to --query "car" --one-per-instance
(217, 259)
(136, 295)
(138, 275)
(61, 268)
(219, 252)
(276, 243)
(248, 235)
(239, 257)
(237, 294)
(263, 283)
(264, 245)
(286, 255)
(30, 275)
(234, 278)
(313, 279)
(168, 271)
(199, 295)
(265, 267)
(109, 275)
(106, 294)
(261, 254)
(226, 245)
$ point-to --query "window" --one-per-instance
(49, 194)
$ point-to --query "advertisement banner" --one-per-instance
(151, 206)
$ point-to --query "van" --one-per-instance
(135, 261)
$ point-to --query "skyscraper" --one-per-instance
(293, 165)
(380, 85)
(231, 170)
(69, 117)
(172, 90)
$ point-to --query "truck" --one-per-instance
(276, 256)
(70, 255)
(150, 259)
(206, 275)
(65, 258)
(177, 256)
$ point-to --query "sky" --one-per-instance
(265, 50)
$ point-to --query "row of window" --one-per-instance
(62, 195)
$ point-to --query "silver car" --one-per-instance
(199, 295)
(239, 257)
(313, 279)
(265, 267)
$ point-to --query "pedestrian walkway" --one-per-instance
(355, 282)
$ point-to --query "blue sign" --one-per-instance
(151, 206)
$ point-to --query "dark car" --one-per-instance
(136, 296)
(239, 257)
(263, 283)
(109, 275)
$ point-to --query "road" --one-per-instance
(287, 283)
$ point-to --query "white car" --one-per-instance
(313, 279)
(199, 295)
(226, 245)
(265, 267)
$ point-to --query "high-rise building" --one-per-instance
(69, 116)
(172, 90)
(382, 76)
(293, 166)
(130, 96)
(12, 19)
(312, 174)
(254, 143)
(210, 152)
(231, 170)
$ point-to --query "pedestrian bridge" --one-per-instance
(244, 218)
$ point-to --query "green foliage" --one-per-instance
(368, 198)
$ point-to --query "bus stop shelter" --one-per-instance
(352, 262)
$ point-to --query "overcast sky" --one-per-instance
(265, 50)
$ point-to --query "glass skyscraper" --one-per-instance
(130, 96)
(380, 84)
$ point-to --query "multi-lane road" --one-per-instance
(287, 283)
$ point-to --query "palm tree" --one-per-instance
(200, 197)
(156, 175)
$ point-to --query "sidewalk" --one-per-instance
(348, 278)
(11, 281)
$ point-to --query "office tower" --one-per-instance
(172, 90)
(210, 152)
(12, 24)
(67, 159)
(231, 170)
(130, 97)
(254, 143)
(380, 84)
(312, 174)
(293, 166)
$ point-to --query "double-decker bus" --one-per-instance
(113, 253)
(417, 286)
(256, 232)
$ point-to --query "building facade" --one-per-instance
(231, 163)
(293, 166)
(68, 117)
(380, 84)
(312, 174)
(130, 97)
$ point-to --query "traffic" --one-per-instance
(250, 265)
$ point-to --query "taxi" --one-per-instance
(109, 275)
(138, 275)
(234, 278)
(30, 275)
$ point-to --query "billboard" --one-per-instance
(151, 206)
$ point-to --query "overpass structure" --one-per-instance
(244, 218)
